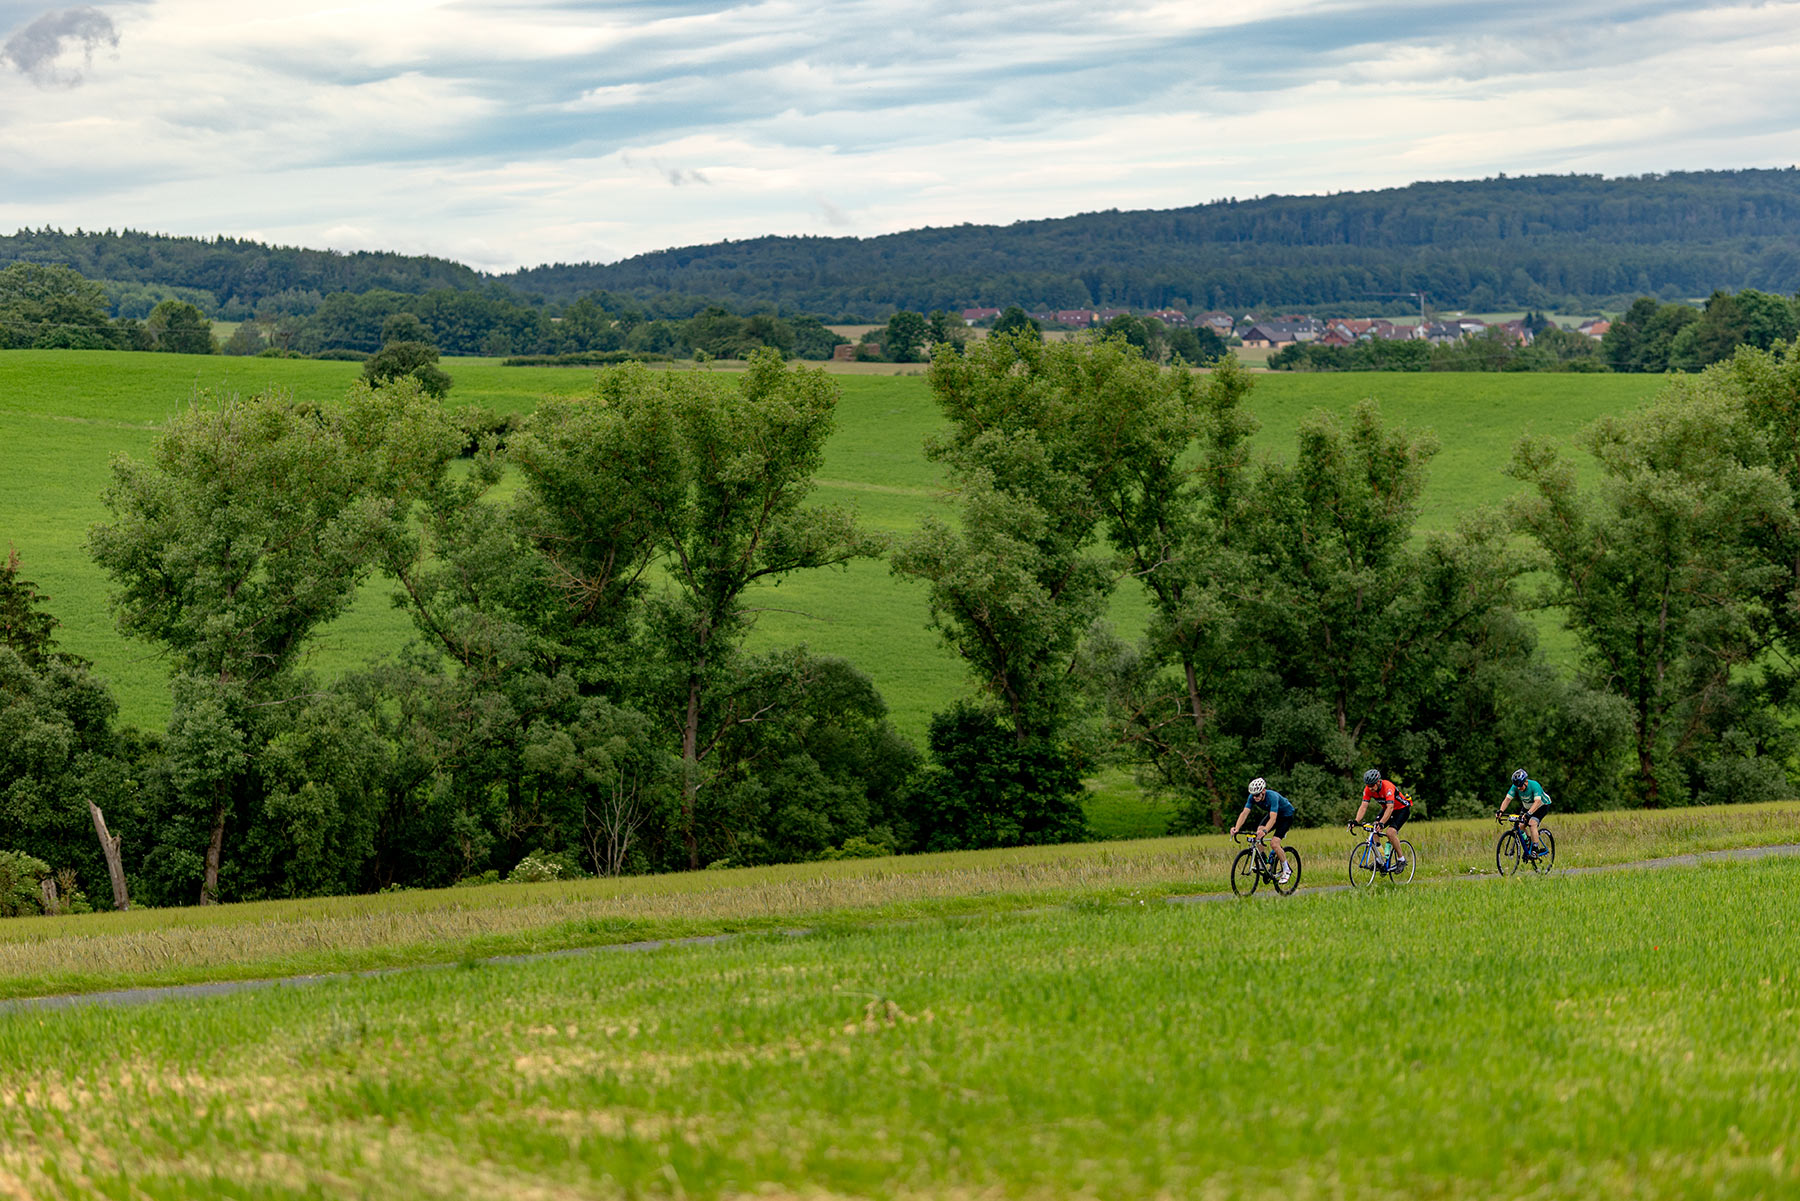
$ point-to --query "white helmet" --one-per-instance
(1258, 786)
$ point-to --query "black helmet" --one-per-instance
(1371, 778)
(1520, 776)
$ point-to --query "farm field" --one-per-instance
(42, 956)
(63, 415)
(1627, 1034)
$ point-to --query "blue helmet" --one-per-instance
(1520, 776)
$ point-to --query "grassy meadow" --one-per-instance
(1627, 1034)
(64, 415)
(42, 956)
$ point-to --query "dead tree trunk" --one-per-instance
(115, 867)
(209, 887)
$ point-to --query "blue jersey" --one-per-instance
(1273, 801)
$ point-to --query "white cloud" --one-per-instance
(506, 134)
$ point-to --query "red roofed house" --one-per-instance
(971, 316)
(1075, 316)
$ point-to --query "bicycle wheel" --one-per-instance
(1404, 875)
(1547, 860)
(1293, 858)
(1243, 873)
(1509, 853)
(1363, 865)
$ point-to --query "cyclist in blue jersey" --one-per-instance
(1534, 802)
(1280, 812)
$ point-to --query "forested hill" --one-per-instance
(1531, 242)
(235, 272)
(1479, 245)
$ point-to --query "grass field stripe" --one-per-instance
(218, 988)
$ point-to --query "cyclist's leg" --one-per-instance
(1533, 814)
(1396, 820)
(1386, 822)
(1280, 828)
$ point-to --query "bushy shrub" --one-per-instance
(535, 870)
(857, 847)
(21, 878)
(490, 876)
(985, 788)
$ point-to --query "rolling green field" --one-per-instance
(1569, 1037)
(64, 415)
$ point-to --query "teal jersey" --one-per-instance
(1528, 792)
(1272, 801)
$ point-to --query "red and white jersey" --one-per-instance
(1385, 793)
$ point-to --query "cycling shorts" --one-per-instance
(1398, 818)
(1280, 829)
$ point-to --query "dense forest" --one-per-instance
(1568, 241)
(1480, 245)
(231, 277)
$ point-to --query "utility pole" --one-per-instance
(1421, 297)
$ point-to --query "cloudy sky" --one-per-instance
(513, 132)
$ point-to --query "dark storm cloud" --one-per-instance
(42, 49)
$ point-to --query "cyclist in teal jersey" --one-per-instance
(1534, 802)
(1281, 816)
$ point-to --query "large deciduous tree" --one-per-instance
(1665, 568)
(252, 524)
(712, 474)
(1016, 583)
(177, 327)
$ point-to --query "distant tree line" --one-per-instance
(1677, 337)
(1651, 335)
(51, 307)
(1573, 242)
(582, 697)
(237, 275)
(1494, 349)
(55, 308)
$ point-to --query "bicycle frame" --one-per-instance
(1264, 857)
(1375, 841)
(1521, 825)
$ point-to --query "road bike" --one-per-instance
(1257, 863)
(1371, 858)
(1514, 850)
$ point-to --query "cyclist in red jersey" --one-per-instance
(1396, 807)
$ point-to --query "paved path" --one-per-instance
(1780, 851)
(219, 988)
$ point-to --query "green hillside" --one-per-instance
(63, 415)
